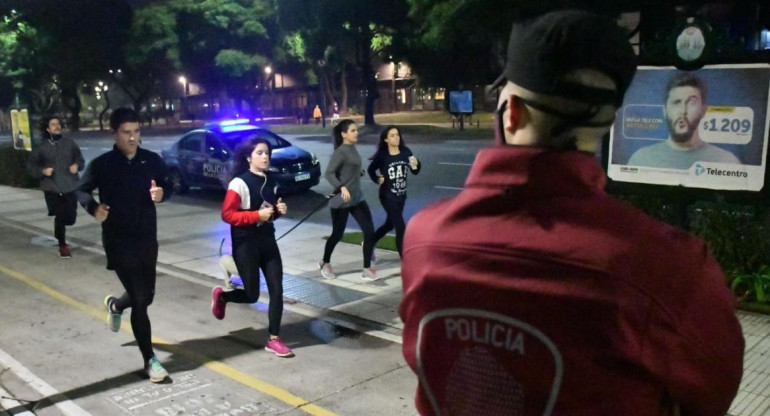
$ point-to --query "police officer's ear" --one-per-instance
(515, 107)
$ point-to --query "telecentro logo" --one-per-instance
(699, 170)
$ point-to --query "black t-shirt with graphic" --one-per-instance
(394, 169)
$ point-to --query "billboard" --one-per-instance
(699, 129)
(22, 137)
(460, 102)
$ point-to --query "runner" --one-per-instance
(56, 161)
(250, 207)
(344, 174)
(130, 181)
(392, 160)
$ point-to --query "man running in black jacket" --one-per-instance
(130, 182)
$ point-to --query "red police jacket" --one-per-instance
(533, 292)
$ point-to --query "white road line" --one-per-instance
(452, 188)
(455, 164)
(68, 407)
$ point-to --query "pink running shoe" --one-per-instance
(217, 303)
(277, 347)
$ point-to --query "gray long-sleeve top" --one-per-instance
(59, 155)
(344, 169)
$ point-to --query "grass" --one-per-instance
(387, 243)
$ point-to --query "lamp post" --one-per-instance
(268, 72)
(185, 86)
(322, 95)
(100, 88)
(393, 84)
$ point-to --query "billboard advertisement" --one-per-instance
(22, 137)
(460, 102)
(699, 129)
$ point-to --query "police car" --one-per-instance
(202, 158)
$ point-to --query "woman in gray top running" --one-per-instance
(344, 174)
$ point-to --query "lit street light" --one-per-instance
(185, 91)
(100, 88)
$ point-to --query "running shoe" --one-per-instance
(64, 252)
(369, 274)
(326, 270)
(217, 303)
(277, 347)
(155, 371)
(113, 318)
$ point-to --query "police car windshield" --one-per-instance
(234, 138)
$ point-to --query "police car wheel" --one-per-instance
(177, 182)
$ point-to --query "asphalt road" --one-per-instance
(446, 164)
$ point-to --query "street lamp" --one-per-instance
(393, 84)
(322, 96)
(100, 88)
(268, 71)
(185, 91)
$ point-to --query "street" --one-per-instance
(445, 165)
(61, 359)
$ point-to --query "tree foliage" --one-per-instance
(343, 34)
(225, 44)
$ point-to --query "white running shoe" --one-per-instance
(326, 270)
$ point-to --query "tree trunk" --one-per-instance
(371, 94)
(344, 88)
(328, 90)
(101, 114)
(364, 60)
(72, 102)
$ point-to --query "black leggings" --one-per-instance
(135, 266)
(363, 217)
(63, 207)
(252, 254)
(394, 208)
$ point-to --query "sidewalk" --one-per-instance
(190, 237)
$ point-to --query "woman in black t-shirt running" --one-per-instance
(388, 168)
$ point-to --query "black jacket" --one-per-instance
(124, 185)
(59, 155)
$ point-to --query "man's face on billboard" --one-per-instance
(684, 110)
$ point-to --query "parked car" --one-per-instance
(202, 158)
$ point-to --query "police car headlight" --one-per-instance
(314, 159)
(273, 169)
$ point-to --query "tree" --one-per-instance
(76, 42)
(151, 54)
(226, 44)
(18, 62)
(346, 32)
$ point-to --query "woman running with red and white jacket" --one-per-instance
(250, 207)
